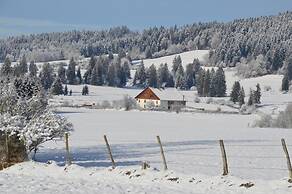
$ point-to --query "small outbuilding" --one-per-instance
(165, 99)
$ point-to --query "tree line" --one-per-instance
(233, 43)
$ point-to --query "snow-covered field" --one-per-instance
(190, 142)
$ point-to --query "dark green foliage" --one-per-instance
(6, 68)
(78, 76)
(65, 90)
(234, 96)
(61, 73)
(47, 76)
(257, 94)
(140, 76)
(57, 87)
(285, 83)
(241, 97)
(32, 69)
(71, 72)
(152, 76)
(190, 76)
(250, 101)
(85, 90)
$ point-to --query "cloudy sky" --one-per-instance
(35, 16)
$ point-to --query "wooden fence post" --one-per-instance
(288, 159)
(162, 153)
(109, 151)
(224, 158)
(68, 157)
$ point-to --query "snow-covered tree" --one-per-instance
(57, 87)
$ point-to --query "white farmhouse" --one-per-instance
(168, 99)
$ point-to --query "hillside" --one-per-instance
(269, 36)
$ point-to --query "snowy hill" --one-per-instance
(187, 57)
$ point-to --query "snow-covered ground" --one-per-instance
(187, 57)
(190, 142)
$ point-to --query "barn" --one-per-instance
(165, 99)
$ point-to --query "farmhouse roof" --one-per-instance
(170, 94)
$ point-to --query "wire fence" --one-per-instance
(227, 156)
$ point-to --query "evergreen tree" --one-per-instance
(111, 75)
(71, 72)
(206, 84)
(85, 90)
(241, 97)
(190, 76)
(285, 83)
(66, 90)
(6, 68)
(289, 68)
(32, 69)
(220, 82)
(47, 76)
(180, 81)
(57, 87)
(61, 73)
(23, 66)
(140, 76)
(152, 76)
(251, 98)
(212, 90)
(94, 77)
(126, 69)
(78, 75)
(163, 76)
(200, 82)
(257, 94)
(176, 63)
(121, 75)
(234, 96)
(148, 53)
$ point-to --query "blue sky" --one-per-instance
(34, 16)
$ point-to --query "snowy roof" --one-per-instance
(168, 94)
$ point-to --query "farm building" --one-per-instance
(168, 99)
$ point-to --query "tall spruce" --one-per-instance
(241, 97)
(57, 87)
(220, 83)
(190, 76)
(6, 68)
(152, 76)
(47, 76)
(32, 68)
(234, 95)
(78, 75)
(257, 94)
(285, 83)
(250, 101)
(61, 73)
(71, 72)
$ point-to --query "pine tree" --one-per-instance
(152, 76)
(285, 83)
(6, 68)
(78, 75)
(234, 95)
(32, 69)
(140, 76)
(57, 87)
(241, 97)
(126, 69)
(257, 94)
(176, 63)
(61, 73)
(65, 90)
(180, 81)
(111, 75)
(85, 90)
(251, 98)
(212, 90)
(71, 74)
(190, 76)
(206, 83)
(121, 75)
(200, 82)
(23, 66)
(94, 77)
(47, 76)
(220, 82)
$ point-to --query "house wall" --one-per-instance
(144, 103)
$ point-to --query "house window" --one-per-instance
(144, 101)
(156, 101)
(139, 101)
